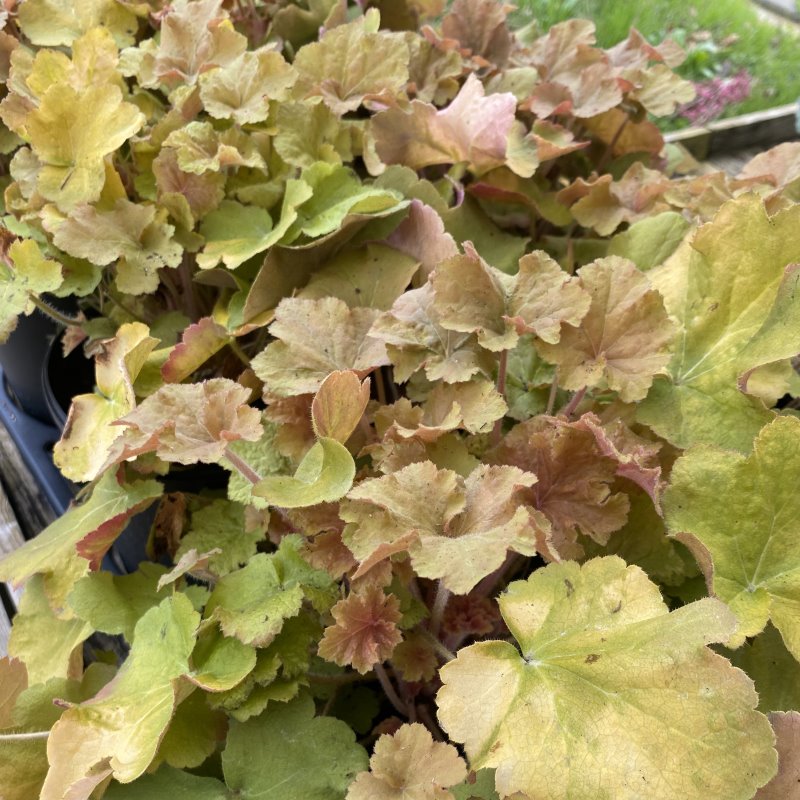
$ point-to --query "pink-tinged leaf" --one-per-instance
(574, 490)
(474, 129)
(365, 632)
(479, 26)
(188, 423)
(339, 404)
(199, 342)
(636, 458)
(604, 204)
(422, 236)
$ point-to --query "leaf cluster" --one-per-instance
(493, 378)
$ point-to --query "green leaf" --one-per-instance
(114, 603)
(325, 474)
(169, 783)
(372, 276)
(221, 524)
(193, 734)
(609, 679)
(254, 602)
(43, 641)
(336, 192)
(744, 514)
(117, 733)
(64, 550)
(234, 233)
(774, 670)
(738, 308)
(29, 272)
(301, 757)
(220, 662)
(651, 241)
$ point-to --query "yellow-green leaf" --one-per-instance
(745, 514)
(607, 678)
(325, 474)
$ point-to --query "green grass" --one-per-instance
(770, 53)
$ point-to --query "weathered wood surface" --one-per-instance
(10, 539)
(23, 514)
(760, 129)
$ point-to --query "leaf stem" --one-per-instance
(242, 466)
(502, 368)
(22, 737)
(238, 352)
(444, 652)
(53, 313)
(338, 680)
(439, 605)
(551, 400)
(569, 408)
(386, 684)
(611, 145)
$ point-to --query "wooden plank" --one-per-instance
(10, 539)
(31, 508)
(761, 129)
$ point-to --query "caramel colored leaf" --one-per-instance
(134, 235)
(339, 405)
(365, 630)
(454, 529)
(574, 490)
(607, 677)
(409, 765)
(187, 423)
(353, 63)
(416, 339)
(315, 338)
(624, 339)
(199, 341)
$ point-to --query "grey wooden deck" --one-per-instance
(23, 512)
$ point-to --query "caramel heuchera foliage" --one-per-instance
(463, 407)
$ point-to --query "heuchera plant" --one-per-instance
(489, 382)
